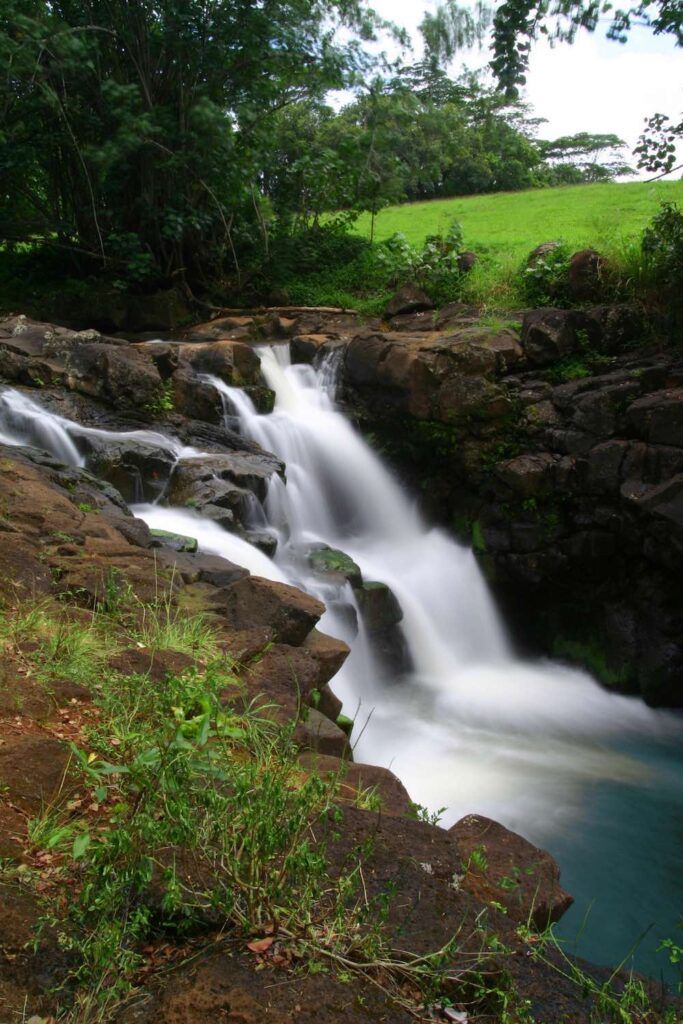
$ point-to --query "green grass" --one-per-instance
(514, 223)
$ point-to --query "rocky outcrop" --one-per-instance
(555, 446)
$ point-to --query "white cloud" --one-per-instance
(594, 85)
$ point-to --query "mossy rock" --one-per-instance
(378, 605)
(175, 541)
(332, 562)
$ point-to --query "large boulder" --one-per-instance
(290, 613)
(124, 376)
(250, 471)
(233, 361)
(138, 468)
(500, 866)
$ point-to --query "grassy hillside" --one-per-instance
(513, 223)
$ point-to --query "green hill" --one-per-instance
(513, 223)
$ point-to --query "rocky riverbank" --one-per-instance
(73, 551)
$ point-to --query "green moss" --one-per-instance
(591, 655)
(478, 542)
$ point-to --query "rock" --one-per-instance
(328, 653)
(548, 335)
(241, 471)
(305, 347)
(174, 541)
(159, 665)
(362, 783)
(316, 732)
(658, 417)
(506, 345)
(334, 565)
(285, 678)
(165, 357)
(33, 770)
(137, 468)
(408, 299)
(290, 613)
(466, 261)
(378, 605)
(666, 502)
(195, 568)
(524, 878)
(196, 399)
(123, 375)
(233, 361)
(527, 475)
(585, 274)
(540, 252)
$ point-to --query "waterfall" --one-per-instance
(466, 724)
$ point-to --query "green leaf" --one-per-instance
(81, 844)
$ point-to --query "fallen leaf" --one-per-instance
(261, 945)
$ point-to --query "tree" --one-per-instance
(517, 23)
(595, 157)
(131, 134)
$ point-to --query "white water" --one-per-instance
(538, 746)
(23, 421)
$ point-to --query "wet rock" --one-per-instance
(378, 605)
(195, 568)
(408, 299)
(305, 347)
(244, 471)
(328, 653)
(233, 361)
(196, 399)
(138, 469)
(174, 541)
(658, 417)
(335, 565)
(528, 475)
(124, 376)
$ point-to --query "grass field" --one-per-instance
(514, 223)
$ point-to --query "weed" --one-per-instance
(163, 401)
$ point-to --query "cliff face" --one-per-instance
(555, 447)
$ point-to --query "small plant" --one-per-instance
(544, 283)
(163, 401)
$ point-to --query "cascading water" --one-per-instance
(469, 727)
(540, 747)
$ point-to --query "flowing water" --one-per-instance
(595, 777)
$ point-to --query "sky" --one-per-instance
(594, 85)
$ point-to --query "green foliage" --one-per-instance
(590, 654)
(133, 135)
(662, 248)
(544, 283)
(164, 400)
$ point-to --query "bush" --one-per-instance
(544, 282)
(662, 249)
